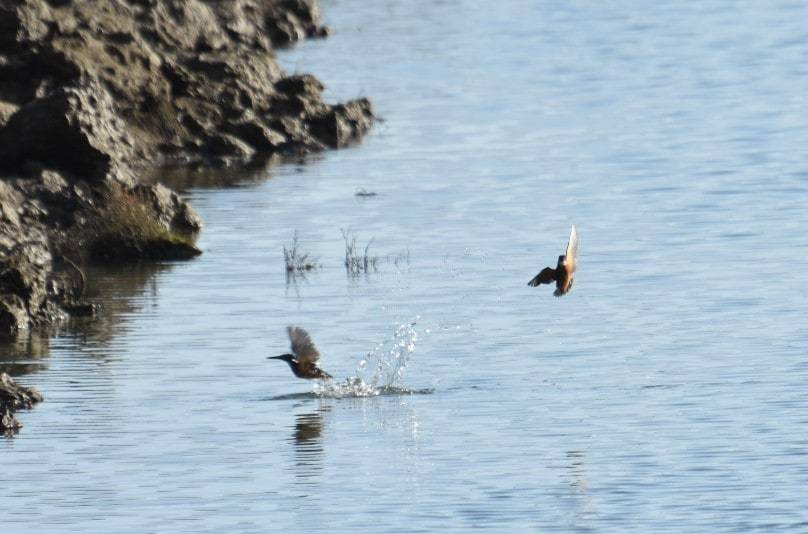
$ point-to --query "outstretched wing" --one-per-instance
(571, 254)
(302, 346)
(546, 276)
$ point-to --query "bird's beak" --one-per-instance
(274, 357)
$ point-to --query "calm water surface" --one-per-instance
(666, 392)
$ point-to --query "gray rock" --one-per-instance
(180, 74)
(343, 124)
(12, 398)
(288, 21)
(256, 133)
(173, 212)
(24, 271)
(74, 129)
(14, 317)
(7, 109)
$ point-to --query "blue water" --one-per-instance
(666, 392)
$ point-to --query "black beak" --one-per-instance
(274, 357)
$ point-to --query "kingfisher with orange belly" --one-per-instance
(562, 274)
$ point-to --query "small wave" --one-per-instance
(356, 387)
(343, 390)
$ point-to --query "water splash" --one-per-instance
(380, 371)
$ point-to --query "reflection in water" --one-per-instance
(306, 436)
(578, 481)
(119, 291)
(23, 355)
(577, 469)
(292, 279)
(183, 178)
(394, 415)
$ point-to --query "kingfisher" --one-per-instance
(562, 274)
(304, 356)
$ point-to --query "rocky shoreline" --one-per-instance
(94, 91)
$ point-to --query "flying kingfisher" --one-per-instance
(303, 360)
(562, 274)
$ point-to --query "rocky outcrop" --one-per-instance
(12, 398)
(93, 90)
(183, 80)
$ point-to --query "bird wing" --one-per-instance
(546, 276)
(302, 346)
(572, 250)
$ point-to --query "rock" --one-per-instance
(74, 129)
(288, 21)
(15, 396)
(228, 146)
(173, 212)
(14, 316)
(12, 398)
(343, 124)
(24, 271)
(10, 202)
(53, 182)
(180, 78)
(143, 223)
(7, 109)
(297, 85)
(254, 132)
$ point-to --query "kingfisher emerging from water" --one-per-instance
(303, 360)
(562, 274)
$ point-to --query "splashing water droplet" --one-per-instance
(387, 362)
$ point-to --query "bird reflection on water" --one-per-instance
(577, 470)
(307, 433)
(308, 427)
(578, 480)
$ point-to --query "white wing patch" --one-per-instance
(572, 249)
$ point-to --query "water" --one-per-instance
(666, 392)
